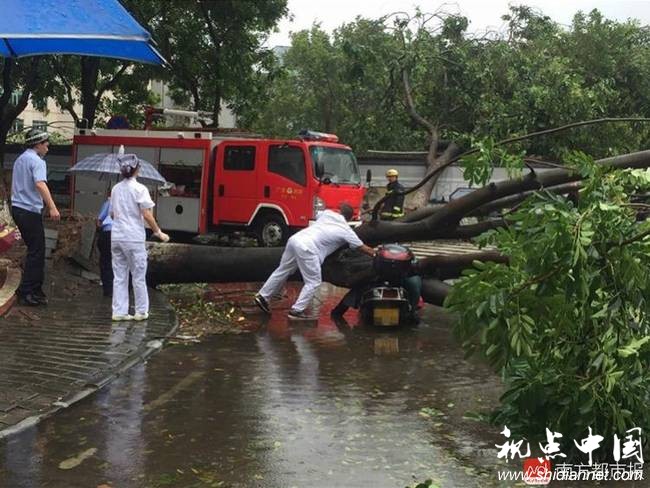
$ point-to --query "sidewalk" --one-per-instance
(53, 356)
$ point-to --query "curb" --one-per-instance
(9, 286)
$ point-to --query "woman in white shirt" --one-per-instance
(131, 207)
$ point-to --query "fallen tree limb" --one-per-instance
(451, 213)
(435, 291)
(434, 173)
(512, 200)
(451, 266)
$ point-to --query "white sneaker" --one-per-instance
(122, 318)
(138, 317)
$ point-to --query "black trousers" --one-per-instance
(105, 261)
(30, 225)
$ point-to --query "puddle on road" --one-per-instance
(300, 404)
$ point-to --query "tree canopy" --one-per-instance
(214, 50)
(536, 74)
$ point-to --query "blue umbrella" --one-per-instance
(107, 165)
(84, 27)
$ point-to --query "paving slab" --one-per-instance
(53, 356)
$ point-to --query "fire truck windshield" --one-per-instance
(339, 165)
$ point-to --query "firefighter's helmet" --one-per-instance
(392, 172)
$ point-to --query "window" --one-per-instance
(18, 125)
(15, 97)
(289, 162)
(239, 158)
(39, 125)
(339, 165)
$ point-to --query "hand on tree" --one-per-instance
(162, 236)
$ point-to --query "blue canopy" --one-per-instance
(83, 27)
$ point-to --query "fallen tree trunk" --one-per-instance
(191, 263)
(182, 263)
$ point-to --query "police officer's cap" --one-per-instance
(36, 136)
(392, 172)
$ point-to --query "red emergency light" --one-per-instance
(311, 135)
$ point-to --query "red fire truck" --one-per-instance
(269, 186)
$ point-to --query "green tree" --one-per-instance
(411, 81)
(566, 322)
(214, 48)
(86, 82)
(21, 79)
(541, 75)
(342, 83)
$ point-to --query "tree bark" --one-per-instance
(420, 198)
(89, 75)
(452, 212)
(450, 266)
(435, 291)
(512, 200)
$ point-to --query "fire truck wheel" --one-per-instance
(271, 230)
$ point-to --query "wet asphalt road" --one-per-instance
(300, 404)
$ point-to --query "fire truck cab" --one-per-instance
(271, 187)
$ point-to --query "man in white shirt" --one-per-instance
(306, 250)
(28, 193)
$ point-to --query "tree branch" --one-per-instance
(69, 103)
(110, 84)
(410, 106)
(440, 168)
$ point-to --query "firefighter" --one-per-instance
(393, 207)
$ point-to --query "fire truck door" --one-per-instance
(287, 182)
(235, 183)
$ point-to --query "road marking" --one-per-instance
(73, 462)
(171, 393)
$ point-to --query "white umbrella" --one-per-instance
(107, 165)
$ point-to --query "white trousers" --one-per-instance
(129, 257)
(296, 255)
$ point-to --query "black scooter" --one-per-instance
(389, 300)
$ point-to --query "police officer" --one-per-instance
(393, 207)
(29, 192)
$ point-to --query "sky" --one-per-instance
(483, 15)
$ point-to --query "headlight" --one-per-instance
(318, 205)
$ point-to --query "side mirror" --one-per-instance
(368, 177)
(320, 169)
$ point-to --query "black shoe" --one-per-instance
(108, 293)
(40, 296)
(261, 302)
(30, 300)
(340, 322)
(413, 319)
